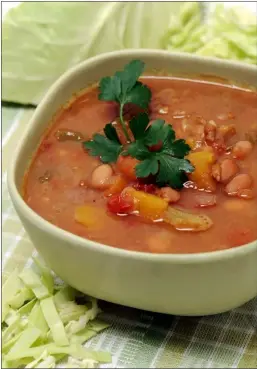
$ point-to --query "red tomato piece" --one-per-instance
(149, 188)
(120, 204)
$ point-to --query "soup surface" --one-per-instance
(219, 122)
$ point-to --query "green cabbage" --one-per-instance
(39, 42)
(43, 324)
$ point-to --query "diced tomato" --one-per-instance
(126, 165)
(120, 204)
(149, 188)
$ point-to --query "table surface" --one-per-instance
(137, 338)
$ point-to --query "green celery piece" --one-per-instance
(33, 281)
(74, 350)
(25, 341)
(26, 309)
(36, 319)
(47, 277)
(54, 321)
(25, 294)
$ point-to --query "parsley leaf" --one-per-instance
(172, 171)
(157, 132)
(130, 75)
(138, 150)
(147, 167)
(108, 150)
(168, 161)
(138, 125)
(111, 133)
(139, 95)
(110, 89)
(125, 88)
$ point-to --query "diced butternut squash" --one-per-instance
(148, 206)
(202, 176)
(119, 183)
(90, 216)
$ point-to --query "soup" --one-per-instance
(196, 189)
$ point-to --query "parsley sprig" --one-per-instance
(166, 162)
(125, 88)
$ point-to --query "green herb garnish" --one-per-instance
(167, 161)
(125, 88)
(155, 145)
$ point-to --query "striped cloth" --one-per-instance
(139, 339)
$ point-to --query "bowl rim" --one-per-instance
(77, 241)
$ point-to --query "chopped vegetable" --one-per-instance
(36, 319)
(119, 183)
(54, 322)
(90, 216)
(184, 221)
(126, 165)
(28, 332)
(25, 294)
(74, 350)
(202, 176)
(33, 281)
(120, 204)
(43, 361)
(26, 340)
(74, 327)
(148, 206)
(47, 276)
(10, 288)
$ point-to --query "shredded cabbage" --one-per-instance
(33, 281)
(43, 324)
(54, 322)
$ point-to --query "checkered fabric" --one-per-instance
(139, 339)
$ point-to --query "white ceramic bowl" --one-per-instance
(191, 284)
